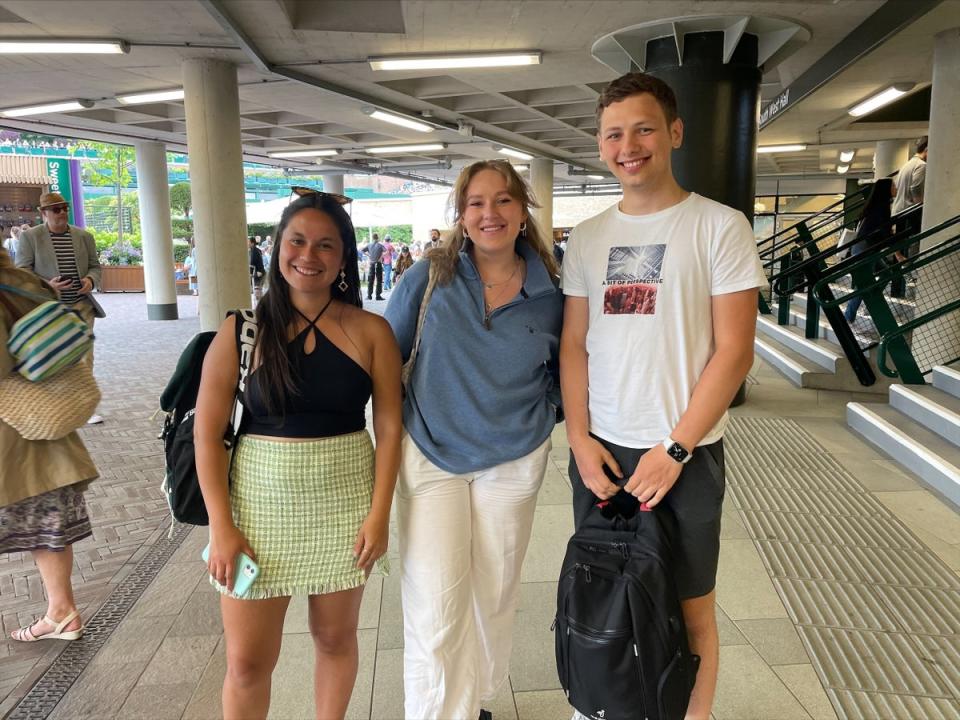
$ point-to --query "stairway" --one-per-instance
(919, 428)
(818, 363)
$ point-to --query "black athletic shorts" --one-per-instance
(695, 501)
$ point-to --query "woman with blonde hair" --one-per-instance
(42, 482)
(479, 409)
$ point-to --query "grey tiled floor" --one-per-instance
(165, 659)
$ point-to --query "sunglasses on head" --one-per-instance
(301, 191)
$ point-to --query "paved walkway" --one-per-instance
(159, 654)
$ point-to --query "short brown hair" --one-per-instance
(636, 83)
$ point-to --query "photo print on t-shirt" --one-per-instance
(633, 278)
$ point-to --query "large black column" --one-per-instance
(718, 103)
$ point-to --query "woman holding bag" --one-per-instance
(42, 482)
(480, 406)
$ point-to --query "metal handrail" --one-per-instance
(867, 261)
(863, 192)
(907, 328)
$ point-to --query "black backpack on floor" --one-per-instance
(621, 643)
(181, 486)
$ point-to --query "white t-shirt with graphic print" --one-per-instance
(649, 280)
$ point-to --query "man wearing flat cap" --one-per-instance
(64, 255)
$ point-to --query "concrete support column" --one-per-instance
(216, 184)
(941, 200)
(541, 182)
(889, 156)
(154, 196)
(939, 282)
(333, 184)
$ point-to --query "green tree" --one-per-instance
(180, 198)
(111, 168)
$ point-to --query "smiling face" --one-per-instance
(311, 251)
(491, 216)
(636, 141)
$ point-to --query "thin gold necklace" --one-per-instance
(490, 286)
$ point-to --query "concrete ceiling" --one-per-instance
(546, 109)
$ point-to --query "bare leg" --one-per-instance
(699, 614)
(55, 569)
(333, 625)
(253, 631)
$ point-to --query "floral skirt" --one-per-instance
(50, 521)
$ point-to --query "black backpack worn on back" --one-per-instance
(621, 643)
(181, 486)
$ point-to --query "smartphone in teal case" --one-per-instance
(245, 571)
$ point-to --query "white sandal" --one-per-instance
(25, 634)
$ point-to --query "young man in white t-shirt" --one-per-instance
(661, 304)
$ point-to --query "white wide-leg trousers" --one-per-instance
(462, 543)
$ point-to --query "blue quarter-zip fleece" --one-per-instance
(480, 394)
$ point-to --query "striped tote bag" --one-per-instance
(48, 339)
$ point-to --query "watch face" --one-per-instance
(677, 452)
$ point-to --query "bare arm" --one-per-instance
(218, 385)
(387, 425)
(734, 325)
(590, 455)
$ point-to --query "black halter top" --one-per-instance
(332, 392)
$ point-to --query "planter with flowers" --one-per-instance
(121, 268)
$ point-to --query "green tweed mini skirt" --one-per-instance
(300, 506)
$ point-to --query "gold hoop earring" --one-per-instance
(343, 281)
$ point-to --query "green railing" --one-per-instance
(938, 271)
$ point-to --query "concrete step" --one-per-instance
(820, 352)
(935, 409)
(798, 317)
(922, 452)
(796, 368)
(947, 378)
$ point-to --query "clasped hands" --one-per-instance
(654, 477)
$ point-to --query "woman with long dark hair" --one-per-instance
(308, 498)
(480, 406)
(874, 228)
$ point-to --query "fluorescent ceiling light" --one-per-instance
(398, 120)
(841, 169)
(303, 153)
(880, 99)
(428, 147)
(514, 153)
(150, 97)
(439, 62)
(58, 47)
(781, 148)
(596, 177)
(847, 155)
(521, 168)
(51, 108)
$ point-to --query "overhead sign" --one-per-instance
(778, 105)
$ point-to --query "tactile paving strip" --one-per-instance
(44, 696)
(876, 610)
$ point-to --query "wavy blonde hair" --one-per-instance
(446, 256)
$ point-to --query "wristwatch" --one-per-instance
(677, 451)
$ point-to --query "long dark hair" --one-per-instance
(875, 218)
(275, 311)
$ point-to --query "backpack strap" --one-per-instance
(246, 342)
